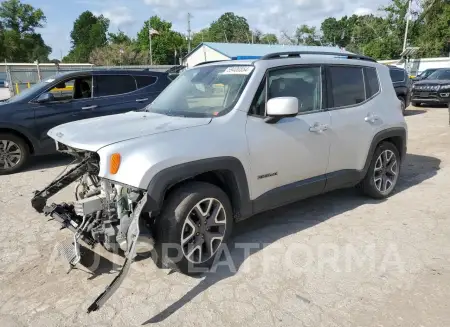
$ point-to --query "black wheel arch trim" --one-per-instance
(21, 132)
(383, 135)
(167, 178)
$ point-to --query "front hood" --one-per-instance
(432, 82)
(96, 133)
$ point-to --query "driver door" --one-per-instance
(289, 158)
(69, 97)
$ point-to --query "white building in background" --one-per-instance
(416, 66)
(210, 51)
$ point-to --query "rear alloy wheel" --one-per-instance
(383, 172)
(13, 154)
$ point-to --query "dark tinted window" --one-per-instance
(114, 84)
(440, 74)
(372, 85)
(304, 83)
(143, 81)
(397, 75)
(347, 86)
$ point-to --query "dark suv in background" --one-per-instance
(402, 85)
(435, 89)
(26, 118)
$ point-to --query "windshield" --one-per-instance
(440, 74)
(207, 91)
(26, 92)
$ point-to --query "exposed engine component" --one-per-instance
(90, 205)
(103, 212)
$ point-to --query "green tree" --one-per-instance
(18, 39)
(307, 35)
(433, 29)
(230, 28)
(119, 38)
(89, 33)
(167, 45)
(117, 54)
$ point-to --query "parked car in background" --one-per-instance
(402, 85)
(424, 75)
(26, 118)
(435, 89)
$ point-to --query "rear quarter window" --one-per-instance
(397, 75)
(144, 80)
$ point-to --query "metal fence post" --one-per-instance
(9, 78)
(38, 70)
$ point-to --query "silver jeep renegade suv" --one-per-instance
(225, 141)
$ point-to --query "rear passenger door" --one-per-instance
(113, 94)
(149, 87)
(353, 102)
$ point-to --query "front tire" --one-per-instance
(382, 175)
(14, 154)
(196, 220)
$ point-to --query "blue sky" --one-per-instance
(129, 15)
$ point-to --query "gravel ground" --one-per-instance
(334, 260)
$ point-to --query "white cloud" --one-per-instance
(363, 11)
(118, 16)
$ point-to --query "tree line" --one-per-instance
(380, 36)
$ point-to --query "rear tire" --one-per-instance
(402, 100)
(382, 175)
(196, 219)
(14, 154)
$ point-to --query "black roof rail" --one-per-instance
(297, 54)
(209, 62)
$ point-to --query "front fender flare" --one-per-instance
(168, 177)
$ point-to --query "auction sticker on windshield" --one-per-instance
(238, 70)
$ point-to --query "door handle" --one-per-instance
(371, 118)
(318, 128)
(141, 100)
(89, 107)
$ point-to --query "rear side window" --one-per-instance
(372, 84)
(347, 85)
(397, 75)
(114, 85)
(143, 81)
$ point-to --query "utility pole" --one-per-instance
(408, 17)
(150, 43)
(189, 31)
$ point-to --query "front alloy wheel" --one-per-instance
(203, 230)
(14, 153)
(196, 220)
(10, 154)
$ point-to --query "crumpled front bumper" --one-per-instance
(132, 236)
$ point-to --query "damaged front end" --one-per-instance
(103, 212)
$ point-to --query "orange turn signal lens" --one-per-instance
(114, 163)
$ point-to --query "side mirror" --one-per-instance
(45, 97)
(281, 107)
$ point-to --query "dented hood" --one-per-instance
(96, 133)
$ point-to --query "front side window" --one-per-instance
(76, 88)
(205, 91)
(107, 85)
(303, 83)
(347, 85)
